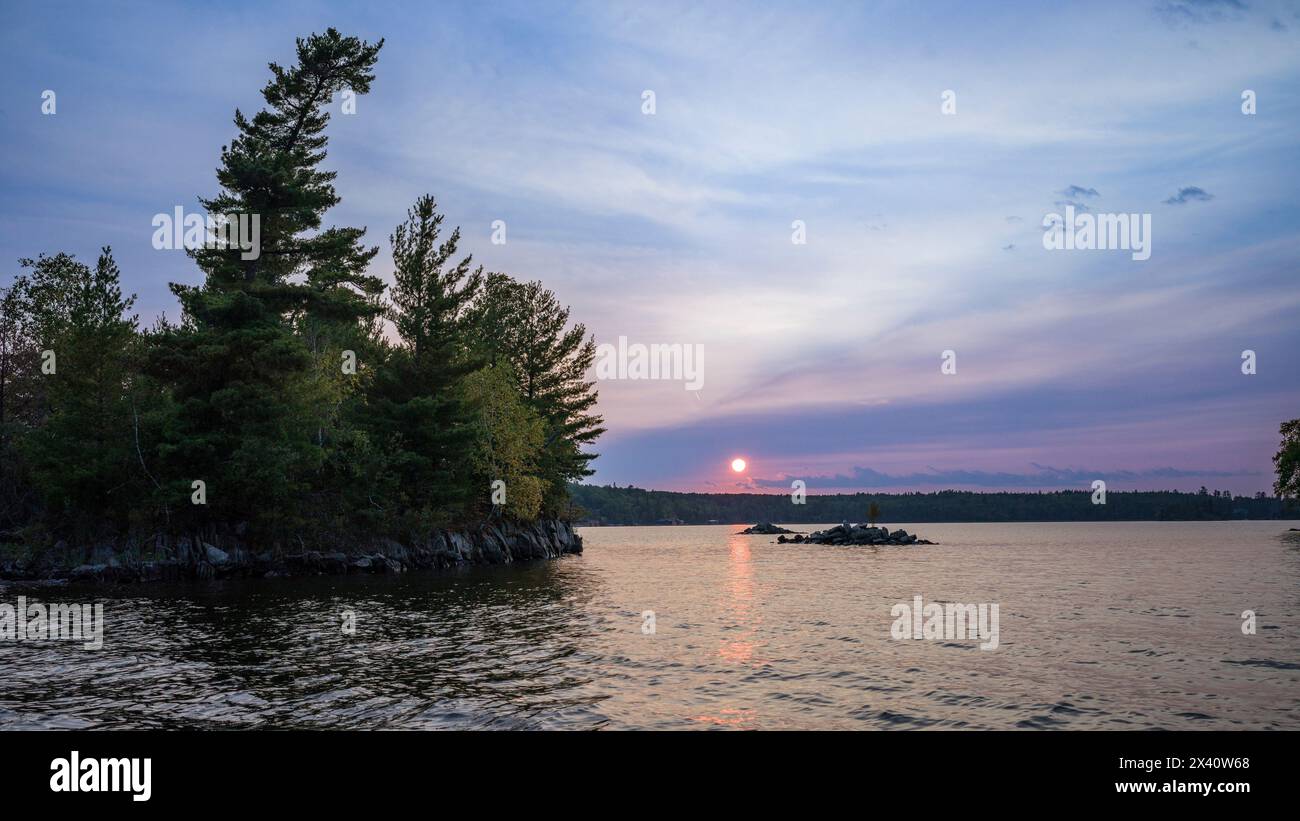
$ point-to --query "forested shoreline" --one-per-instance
(608, 505)
(299, 403)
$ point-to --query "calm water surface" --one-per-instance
(1111, 625)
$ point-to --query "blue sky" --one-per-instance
(923, 229)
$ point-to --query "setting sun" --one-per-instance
(738, 465)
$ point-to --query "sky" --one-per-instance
(918, 148)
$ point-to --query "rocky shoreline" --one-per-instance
(859, 534)
(185, 559)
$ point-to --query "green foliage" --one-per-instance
(21, 397)
(508, 439)
(249, 392)
(524, 325)
(256, 413)
(80, 454)
(429, 297)
(418, 410)
(1287, 461)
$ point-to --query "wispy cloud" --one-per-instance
(1075, 191)
(1191, 193)
(1075, 204)
(1186, 12)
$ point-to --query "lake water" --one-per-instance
(1114, 625)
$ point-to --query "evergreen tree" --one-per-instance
(419, 406)
(1287, 461)
(525, 325)
(254, 407)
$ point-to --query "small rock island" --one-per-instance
(859, 534)
(763, 529)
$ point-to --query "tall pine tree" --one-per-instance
(254, 411)
(419, 405)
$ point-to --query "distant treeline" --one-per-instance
(298, 400)
(634, 506)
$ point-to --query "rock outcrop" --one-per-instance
(185, 559)
(763, 529)
(859, 534)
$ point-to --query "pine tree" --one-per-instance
(419, 406)
(525, 325)
(253, 408)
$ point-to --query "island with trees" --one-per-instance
(301, 415)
